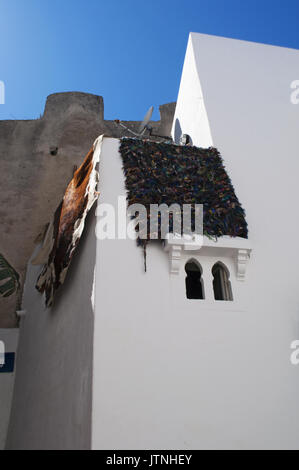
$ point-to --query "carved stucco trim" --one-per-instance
(242, 260)
(237, 248)
(175, 254)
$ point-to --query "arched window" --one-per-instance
(221, 283)
(194, 282)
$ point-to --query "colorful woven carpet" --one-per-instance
(158, 173)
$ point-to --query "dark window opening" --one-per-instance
(194, 282)
(221, 284)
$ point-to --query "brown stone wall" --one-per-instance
(33, 180)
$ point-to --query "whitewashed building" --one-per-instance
(124, 360)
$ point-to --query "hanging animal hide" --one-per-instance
(65, 230)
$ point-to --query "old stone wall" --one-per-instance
(33, 180)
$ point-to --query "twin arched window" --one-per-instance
(194, 282)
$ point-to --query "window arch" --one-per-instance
(194, 281)
(221, 283)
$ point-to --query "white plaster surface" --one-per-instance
(52, 396)
(190, 115)
(164, 366)
(175, 373)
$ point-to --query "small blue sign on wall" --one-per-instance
(9, 363)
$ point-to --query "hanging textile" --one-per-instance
(65, 230)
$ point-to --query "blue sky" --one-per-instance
(130, 52)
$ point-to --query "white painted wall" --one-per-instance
(10, 339)
(190, 115)
(175, 373)
(52, 397)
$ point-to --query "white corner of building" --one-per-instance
(191, 115)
